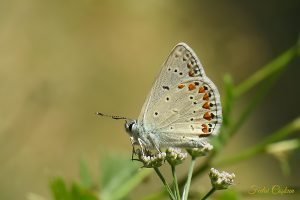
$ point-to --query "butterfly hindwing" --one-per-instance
(183, 101)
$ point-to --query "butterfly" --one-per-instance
(183, 108)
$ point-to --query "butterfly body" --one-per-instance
(183, 108)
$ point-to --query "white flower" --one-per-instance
(175, 156)
(220, 180)
(203, 151)
(151, 160)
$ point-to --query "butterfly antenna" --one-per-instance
(111, 116)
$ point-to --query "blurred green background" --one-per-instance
(60, 61)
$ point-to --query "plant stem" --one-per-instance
(175, 182)
(165, 183)
(212, 190)
(259, 96)
(188, 181)
(199, 170)
(289, 129)
(228, 100)
(273, 67)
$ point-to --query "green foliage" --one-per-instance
(120, 176)
(229, 194)
(76, 192)
(85, 176)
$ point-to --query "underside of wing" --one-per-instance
(183, 101)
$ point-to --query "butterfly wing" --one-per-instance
(183, 102)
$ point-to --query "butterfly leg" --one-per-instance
(133, 149)
(141, 145)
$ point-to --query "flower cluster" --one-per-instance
(175, 156)
(203, 151)
(220, 180)
(151, 160)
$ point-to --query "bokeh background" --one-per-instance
(60, 61)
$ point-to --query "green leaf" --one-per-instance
(119, 176)
(229, 194)
(59, 189)
(78, 193)
(61, 192)
(85, 176)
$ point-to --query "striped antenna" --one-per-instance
(111, 116)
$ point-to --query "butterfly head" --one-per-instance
(131, 127)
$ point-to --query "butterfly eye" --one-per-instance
(130, 127)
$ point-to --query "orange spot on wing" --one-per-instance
(192, 86)
(201, 90)
(204, 134)
(206, 105)
(180, 86)
(206, 96)
(205, 128)
(207, 116)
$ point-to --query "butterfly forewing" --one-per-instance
(183, 101)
